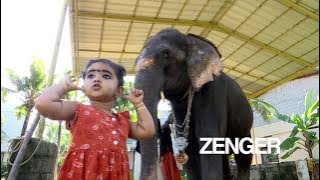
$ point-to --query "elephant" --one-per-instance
(173, 63)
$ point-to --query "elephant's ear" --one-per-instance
(203, 61)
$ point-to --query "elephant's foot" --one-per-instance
(229, 177)
(243, 175)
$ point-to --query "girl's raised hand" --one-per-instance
(135, 96)
(69, 83)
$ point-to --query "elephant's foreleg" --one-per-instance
(211, 164)
(226, 168)
(243, 163)
(211, 167)
(193, 165)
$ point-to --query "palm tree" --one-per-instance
(30, 87)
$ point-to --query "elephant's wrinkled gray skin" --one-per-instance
(173, 62)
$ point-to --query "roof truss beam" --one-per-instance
(225, 7)
(295, 75)
(300, 9)
(203, 24)
(137, 53)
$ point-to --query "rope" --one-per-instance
(17, 148)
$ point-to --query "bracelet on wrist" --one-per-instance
(141, 107)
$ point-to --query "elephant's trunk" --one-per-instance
(150, 83)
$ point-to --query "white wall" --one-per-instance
(288, 99)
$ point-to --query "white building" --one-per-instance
(287, 99)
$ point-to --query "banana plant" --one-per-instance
(301, 136)
(265, 109)
(302, 125)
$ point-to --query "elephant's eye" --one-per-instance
(165, 54)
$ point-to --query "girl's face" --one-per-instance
(101, 83)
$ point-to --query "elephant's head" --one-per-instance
(203, 61)
(171, 61)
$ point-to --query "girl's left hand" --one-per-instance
(135, 97)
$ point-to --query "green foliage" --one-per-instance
(183, 175)
(21, 111)
(4, 169)
(64, 143)
(289, 152)
(266, 110)
(51, 135)
(288, 143)
(38, 76)
(121, 104)
(302, 125)
(29, 86)
(4, 94)
(273, 157)
(71, 95)
(4, 136)
(51, 132)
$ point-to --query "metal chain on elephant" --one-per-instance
(186, 121)
(182, 139)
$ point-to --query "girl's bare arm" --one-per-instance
(49, 103)
(144, 128)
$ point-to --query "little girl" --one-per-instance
(98, 147)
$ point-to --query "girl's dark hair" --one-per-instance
(118, 69)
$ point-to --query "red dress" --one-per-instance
(98, 149)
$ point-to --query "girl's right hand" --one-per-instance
(69, 83)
